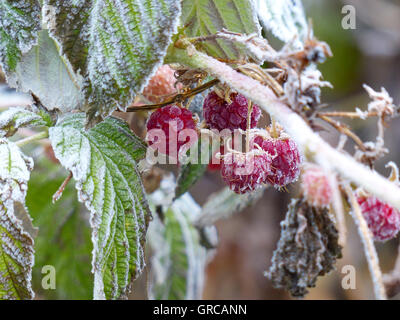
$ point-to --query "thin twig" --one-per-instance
(343, 129)
(61, 189)
(351, 115)
(368, 243)
(35, 137)
(337, 205)
(176, 98)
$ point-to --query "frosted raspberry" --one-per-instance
(171, 118)
(245, 172)
(382, 219)
(161, 84)
(316, 186)
(286, 159)
(220, 115)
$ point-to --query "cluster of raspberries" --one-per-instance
(271, 160)
(273, 157)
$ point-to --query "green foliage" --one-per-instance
(115, 45)
(44, 72)
(16, 245)
(195, 168)
(178, 262)
(63, 240)
(13, 119)
(285, 19)
(206, 17)
(19, 24)
(103, 162)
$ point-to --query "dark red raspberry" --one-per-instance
(171, 118)
(286, 159)
(245, 172)
(221, 115)
(382, 219)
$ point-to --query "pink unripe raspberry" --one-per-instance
(286, 159)
(382, 219)
(161, 84)
(171, 119)
(221, 115)
(316, 186)
(245, 172)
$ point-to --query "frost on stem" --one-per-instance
(308, 248)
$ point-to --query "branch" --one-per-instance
(35, 137)
(310, 143)
(368, 243)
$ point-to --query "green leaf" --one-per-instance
(14, 118)
(16, 245)
(285, 19)
(115, 45)
(64, 239)
(103, 162)
(194, 169)
(44, 72)
(224, 203)
(19, 24)
(207, 17)
(178, 261)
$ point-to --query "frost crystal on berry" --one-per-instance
(316, 187)
(161, 84)
(172, 120)
(245, 172)
(286, 159)
(382, 219)
(220, 115)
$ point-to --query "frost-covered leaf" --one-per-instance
(285, 19)
(63, 240)
(14, 118)
(16, 245)
(19, 24)
(224, 203)
(207, 17)
(103, 162)
(178, 261)
(116, 45)
(44, 72)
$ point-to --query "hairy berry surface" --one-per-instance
(221, 115)
(245, 173)
(382, 219)
(316, 186)
(161, 84)
(171, 118)
(286, 160)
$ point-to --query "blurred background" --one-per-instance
(369, 54)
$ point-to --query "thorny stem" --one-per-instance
(35, 137)
(310, 143)
(368, 243)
